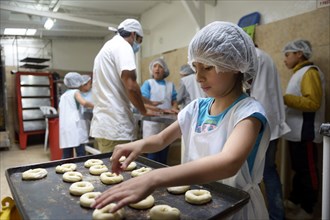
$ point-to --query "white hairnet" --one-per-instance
(161, 62)
(85, 79)
(225, 46)
(72, 80)
(299, 45)
(186, 70)
(131, 25)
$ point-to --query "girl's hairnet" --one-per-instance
(85, 79)
(225, 46)
(161, 62)
(299, 45)
(73, 80)
(186, 70)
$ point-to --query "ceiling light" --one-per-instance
(49, 23)
(31, 32)
(15, 31)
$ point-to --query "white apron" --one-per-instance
(162, 93)
(199, 145)
(294, 118)
(69, 120)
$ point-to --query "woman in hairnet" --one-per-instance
(69, 115)
(226, 135)
(305, 112)
(157, 89)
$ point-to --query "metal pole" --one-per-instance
(325, 131)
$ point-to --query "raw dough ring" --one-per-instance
(79, 188)
(121, 159)
(111, 178)
(34, 174)
(144, 204)
(104, 214)
(131, 166)
(198, 196)
(164, 212)
(65, 167)
(98, 169)
(88, 198)
(178, 189)
(92, 162)
(140, 171)
(72, 176)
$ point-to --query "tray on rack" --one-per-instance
(49, 198)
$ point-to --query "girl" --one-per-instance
(226, 135)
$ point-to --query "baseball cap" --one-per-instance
(131, 25)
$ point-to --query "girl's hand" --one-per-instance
(130, 191)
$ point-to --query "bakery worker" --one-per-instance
(69, 116)
(189, 88)
(157, 89)
(114, 88)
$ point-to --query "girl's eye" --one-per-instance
(208, 68)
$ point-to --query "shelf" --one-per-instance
(34, 66)
(34, 60)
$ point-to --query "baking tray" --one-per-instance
(49, 198)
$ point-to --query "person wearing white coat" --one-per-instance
(69, 117)
(157, 89)
(226, 135)
(266, 88)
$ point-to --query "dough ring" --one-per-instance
(164, 212)
(104, 214)
(72, 176)
(65, 167)
(79, 188)
(98, 169)
(140, 171)
(198, 196)
(178, 189)
(88, 198)
(131, 166)
(144, 204)
(111, 178)
(92, 162)
(34, 174)
(121, 159)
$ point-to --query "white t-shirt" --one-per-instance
(112, 115)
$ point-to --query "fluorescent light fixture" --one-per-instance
(31, 32)
(15, 31)
(20, 31)
(49, 23)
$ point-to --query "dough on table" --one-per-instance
(98, 169)
(34, 174)
(178, 189)
(79, 188)
(65, 167)
(144, 204)
(72, 176)
(140, 171)
(90, 162)
(104, 214)
(111, 178)
(198, 196)
(88, 198)
(164, 212)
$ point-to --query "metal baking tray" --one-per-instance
(49, 198)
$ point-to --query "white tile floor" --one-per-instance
(13, 157)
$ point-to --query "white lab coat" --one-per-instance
(113, 118)
(85, 118)
(199, 145)
(69, 117)
(162, 93)
(266, 88)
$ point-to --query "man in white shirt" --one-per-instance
(114, 88)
